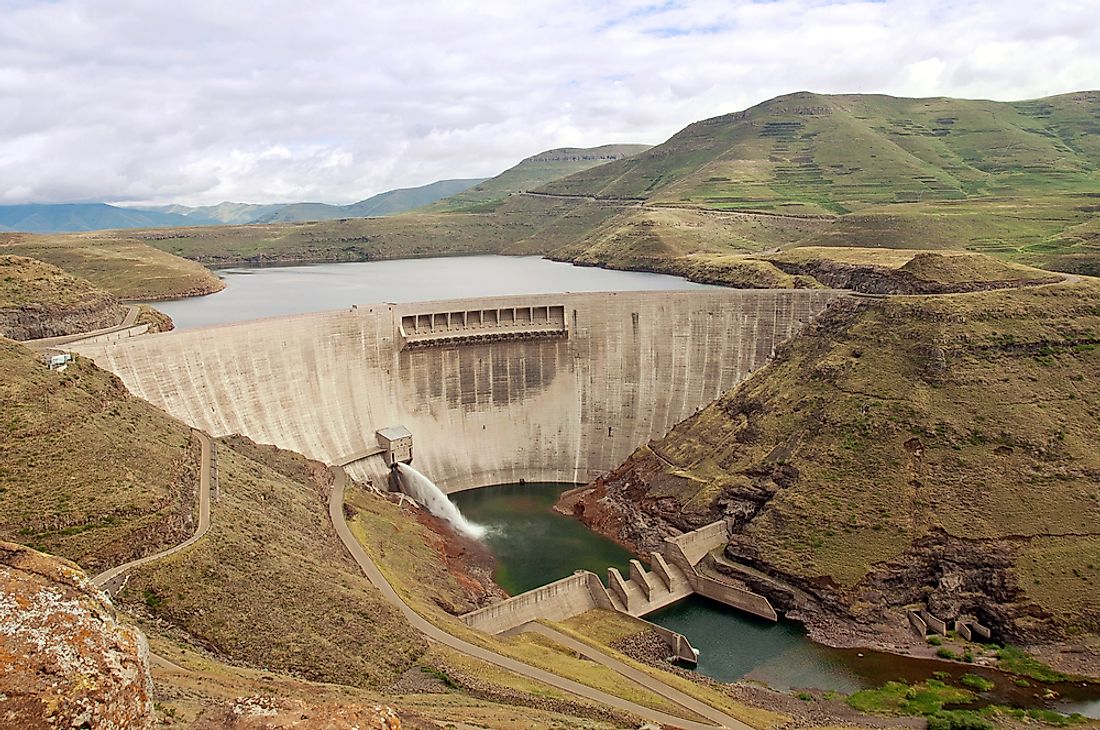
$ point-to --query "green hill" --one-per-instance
(65, 217)
(1019, 179)
(534, 172)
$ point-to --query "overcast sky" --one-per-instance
(199, 101)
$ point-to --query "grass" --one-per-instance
(898, 698)
(116, 262)
(40, 300)
(977, 682)
(271, 585)
(1015, 660)
(88, 471)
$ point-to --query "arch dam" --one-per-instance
(539, 388)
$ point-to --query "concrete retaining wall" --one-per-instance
(934, 624)
(918, 624)
(753, 603)
(556, 601)
(565, 409)
(963, 630)
(697, 543)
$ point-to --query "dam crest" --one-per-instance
(553, 388)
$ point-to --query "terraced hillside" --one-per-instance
(926, 451)
(1019, 178)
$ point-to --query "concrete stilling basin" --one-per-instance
(542, 388)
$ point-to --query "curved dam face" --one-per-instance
(541, 388)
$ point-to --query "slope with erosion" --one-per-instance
(930, 451)
(40, 300)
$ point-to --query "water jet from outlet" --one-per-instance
(425, 491)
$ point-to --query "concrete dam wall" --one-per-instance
(542, 388)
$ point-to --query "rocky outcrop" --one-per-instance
(40, 300)
(269, 713)
(66, 661)
(926, 273)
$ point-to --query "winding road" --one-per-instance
(108, 580)
(435, 633)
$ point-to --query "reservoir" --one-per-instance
(273, 291)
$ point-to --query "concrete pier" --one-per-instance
(541, 388)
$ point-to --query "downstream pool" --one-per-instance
(534, 545)
(271, 291)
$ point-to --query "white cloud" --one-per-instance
(135, 100)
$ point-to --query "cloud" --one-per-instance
(134, 100)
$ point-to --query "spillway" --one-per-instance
(550, 388)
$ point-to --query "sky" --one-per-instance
(202, 101)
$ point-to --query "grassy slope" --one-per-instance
(271, 585)
(532, 173)
(517, 226)
(1010, 178)
(972, 416)
(117, 262)
(25, 281)
(86, 470)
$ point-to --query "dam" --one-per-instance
(547, 388)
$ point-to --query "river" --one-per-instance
(271, 291)
(534, 545)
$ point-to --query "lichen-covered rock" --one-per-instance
(65, 659)
(268, 713)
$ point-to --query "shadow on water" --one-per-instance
(534, 545)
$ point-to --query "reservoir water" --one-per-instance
(534, 545)
(271, 291)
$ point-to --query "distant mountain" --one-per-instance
(534, 172)
(387, 203)
(71, 217)
(231, 213)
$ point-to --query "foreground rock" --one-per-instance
(65, 660)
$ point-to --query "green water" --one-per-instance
(534, 545)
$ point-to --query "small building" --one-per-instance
(60, 362)
(396, 443)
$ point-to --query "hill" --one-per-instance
(40, 300)
(913, 451)
(122, 265)
(225, 212)
(1010, 178)
(67, 217)
(535, 172)
(390, 202)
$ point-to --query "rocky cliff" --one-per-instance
(66, 661)
(931, 452)
(40, 300)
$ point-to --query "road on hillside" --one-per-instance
(435, 633)
(108, 579)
